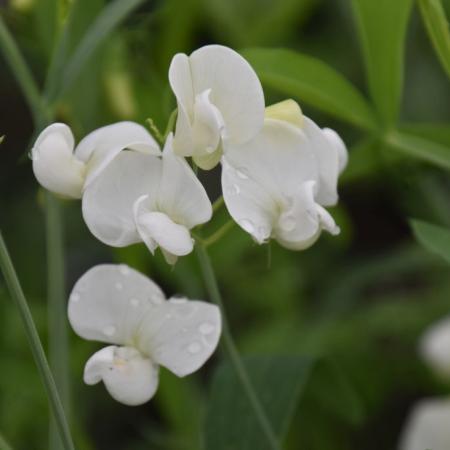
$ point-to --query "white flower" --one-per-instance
(276, 185)
(67, 171)
(434, 347)
(150, 199)
(220, 100)
(117, 305)
(428, 426)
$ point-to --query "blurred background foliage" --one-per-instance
(356, 303)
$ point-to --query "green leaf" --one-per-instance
(311, 81)
(111, 16)
(434, 238)
(420, 148)
(382, 26)
(436, 23)
(278, 381)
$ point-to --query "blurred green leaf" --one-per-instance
(436, 23)
(3, 444)
(311, 81)
(279, 382)
(47, 14)
(434, 238)
(382, 26)
(420, 148)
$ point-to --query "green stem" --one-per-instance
(3, 444)
(58, 347)
(230, 347)
(36, 347)
(217, 235)
(170, 123)
(218, 204)
(22, 74)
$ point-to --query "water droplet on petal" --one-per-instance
(156, 299)
(75, 297)
(119, 286)
(206, 328)
(109, 330)
(124, 270)
(134, 302)
(178, 300)
(242, 173)
(247, 225)
(194, 348)
(287, 223)
(234, 189)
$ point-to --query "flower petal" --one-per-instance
(338, 143)
(128, 376)
(181, 195)
(108, 302)
(54, 164)
(108, 201)
(427, 426)
(182, 335)
(101, 146)
(435, 347)
(327, 153)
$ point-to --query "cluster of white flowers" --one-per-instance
(279, 171)
(428, 424)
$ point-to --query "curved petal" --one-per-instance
(181, 335)
(427, 426)
(128, 376)
(180, 79)
(108, 302)
(158, 228)
(108, 201)
(326, 153)
(338, 143)
(260, 177)
(235, 89)
(101, 146)
(434, 347)
(54, 164)
(181, 195)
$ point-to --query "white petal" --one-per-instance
(108, 201)
(428, 426)
(181, 195)
(101, 146)
(158, 228)
(260, 177)
(54, 165)
(338, 143)
(108, 302)
(327, 156)
(181, 335)
(299, 226)
(128, 376)
(435, 347)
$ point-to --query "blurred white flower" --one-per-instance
(276, 185)
(117, 305)
(146, 198)
(220, 101)
(66, 170)
(428, 426)
(434, 347)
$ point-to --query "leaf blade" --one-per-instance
(434, 238)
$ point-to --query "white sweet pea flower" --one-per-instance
(434, 347)
(276, 185)
(119, 306)
(150, 199)
(67, 170)
(428, 426)
(220, 101)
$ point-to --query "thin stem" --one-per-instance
(217, 235)
(230, 347)
(58, 347)
(3, 444)
(18, 297)
(218, 204)
(170, 123)
(22, 73)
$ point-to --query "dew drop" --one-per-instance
(287, 223)
(75, 297)
(234, 189)
(109, 330)
(247, 225)
(119, 286)
(194, 348)
(124, 270)
(242, 173)
(178, 300)
(206, 328)
(156, 299)
(134, 302)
